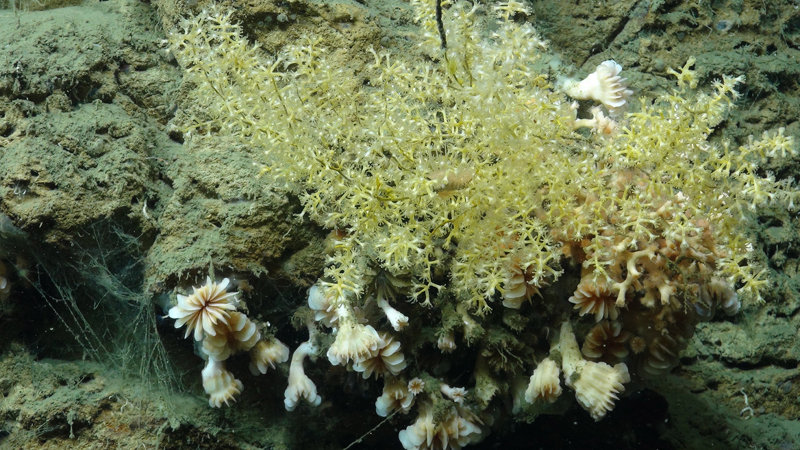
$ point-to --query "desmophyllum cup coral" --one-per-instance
(207, 307)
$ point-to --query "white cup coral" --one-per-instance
(205, 309)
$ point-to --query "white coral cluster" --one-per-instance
(356, 346)
(210, 315)
(456, 394)
(518, 288)
(206, 310)
(240, 334)
(596, 384)
(219, 383)
(397, 319)
(387, 359)
(396, 396)
(354, 342)
(322, 303)
(267, 354)
(455, 429)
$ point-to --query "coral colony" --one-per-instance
(474, 218)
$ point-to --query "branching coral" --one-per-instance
(457, 181)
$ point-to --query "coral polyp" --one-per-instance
(207, 309)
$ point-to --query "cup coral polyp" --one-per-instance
(207, 308)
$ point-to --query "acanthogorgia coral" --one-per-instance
(458, 177)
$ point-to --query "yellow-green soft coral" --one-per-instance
(469, 158)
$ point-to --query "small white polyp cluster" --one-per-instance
(596, 384)
(456, 429)
(210, 315)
